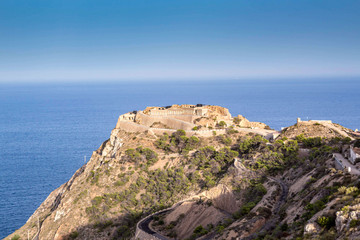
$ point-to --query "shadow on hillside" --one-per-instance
(122, 227)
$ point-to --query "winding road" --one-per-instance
(275, 218)
(143, 224)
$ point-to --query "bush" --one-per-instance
(248, 145)
(140, 155)
(323, 221)
(245, 209)
(346, 140)
(225, 140)
(236, 120)
(199, 229)
(15, 237)
(221, 124)
(284, 227)
(178, 142)
(313, 208)
(310, 142)
(354, 223)
(74, 235)
(326, 221)
(351, 190)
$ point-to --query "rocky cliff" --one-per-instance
(237, 185)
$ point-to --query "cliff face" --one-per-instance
(236, 184)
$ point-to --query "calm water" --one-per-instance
(45, 130)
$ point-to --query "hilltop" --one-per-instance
(196, 172)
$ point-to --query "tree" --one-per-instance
(222, 124)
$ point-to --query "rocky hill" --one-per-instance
(224, 179)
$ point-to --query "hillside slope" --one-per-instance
(233, 185)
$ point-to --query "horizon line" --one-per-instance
(174, 79)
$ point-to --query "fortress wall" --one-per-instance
(147, 120)
(160, 131)
(320, 121)
(200, 133)
(186, 118)
(131, 126)
(171, 111)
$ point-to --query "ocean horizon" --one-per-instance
(46, 129)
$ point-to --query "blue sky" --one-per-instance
(123, 40)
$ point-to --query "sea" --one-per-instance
(47, 130)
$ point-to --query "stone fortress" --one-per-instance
(194, 119)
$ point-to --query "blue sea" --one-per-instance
(47, 129)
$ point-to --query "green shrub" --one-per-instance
(74, 235)
(345, 209)
(15, 237)
(347, 140)
(284, 227)
(312, 142)
(97, 200)
(323, 221)
(354, 223)
(198, 229)
(326, 221)
(221, 124)
(312, 209)
(351, 190)
(245, 209)
(225, 140)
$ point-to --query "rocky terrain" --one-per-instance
(232, 184)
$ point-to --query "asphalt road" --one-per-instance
(144, 226)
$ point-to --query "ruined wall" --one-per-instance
(320, 121)
(186, 118)
(131, 126)
(199, 133)
(171, 111)
(314, 121)
(147, 120)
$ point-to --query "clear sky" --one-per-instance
(46, 40)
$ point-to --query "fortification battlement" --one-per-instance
(179, 116)
(314, 121)
(177, 110)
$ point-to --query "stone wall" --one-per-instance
(130, 126)
(167, 112)
(172, 123)
(186, 118)
(314, 121)
(200, 133)
(177, 110)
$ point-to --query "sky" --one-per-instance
(82, 40)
